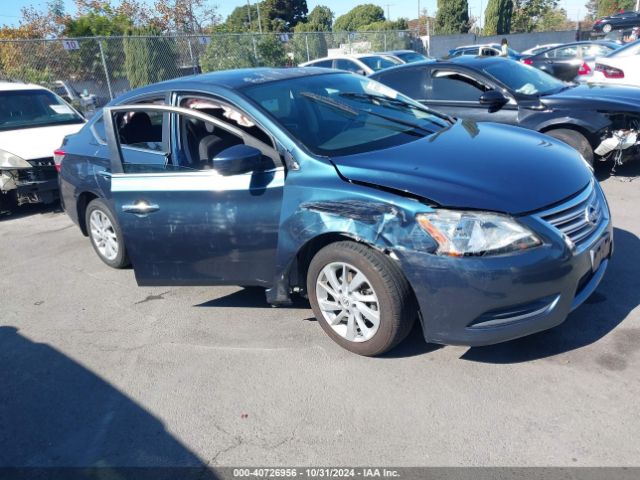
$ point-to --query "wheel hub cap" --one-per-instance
(348, 302)
(103, 235)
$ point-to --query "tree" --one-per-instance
(321, 17)
(285, 12)
(226, 52)
(149, 57)
(498, 17)
(359, 16)
(607, 7)
(554, 20)
(271, 51)
(452, 17)
(528, 14)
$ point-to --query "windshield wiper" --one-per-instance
(398, 101)
(353, 111)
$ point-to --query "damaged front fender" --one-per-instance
(381, 220)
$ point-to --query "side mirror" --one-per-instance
(493, 99)
(237, 159)
(361, 72)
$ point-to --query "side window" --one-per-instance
(566, 52)
(200, 141)
(348, 65)
(140, 134)
(455, 86)
(323, 64)
(410, 81)
(489, 52)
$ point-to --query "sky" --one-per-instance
(10, 9)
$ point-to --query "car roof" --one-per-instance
(10, 86)
(244, 77)
(467, 60)
(478, 45)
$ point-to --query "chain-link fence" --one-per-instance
(90, 71)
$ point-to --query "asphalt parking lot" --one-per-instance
(98, 371)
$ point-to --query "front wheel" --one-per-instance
(360, 298)
(105, 234)
(576, 140)
(606, 28)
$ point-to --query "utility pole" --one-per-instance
(388, 14)
(418, 17)
(637, 5)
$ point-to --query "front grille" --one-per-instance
(580, 217)
(43, 170)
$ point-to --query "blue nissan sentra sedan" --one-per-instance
(331, 185)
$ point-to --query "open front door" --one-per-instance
(185, 220)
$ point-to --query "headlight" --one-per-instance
(460, 233)
(9, 160)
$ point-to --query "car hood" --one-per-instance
(40, 142)
(473, 165)
(593, 96)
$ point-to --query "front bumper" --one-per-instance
(481, 301)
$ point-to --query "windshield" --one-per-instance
(523, 79)
(344, 114)
(411, 57)
(627, 51)
(34, 108)
(376, 63)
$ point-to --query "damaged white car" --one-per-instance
(33, 123)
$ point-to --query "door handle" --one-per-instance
(104, 173)
(140, 208)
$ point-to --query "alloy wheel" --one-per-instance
(348, 302)
(103, 235)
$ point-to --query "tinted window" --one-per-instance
(323, 64)
(563, 52)
(347, 65)
(378, 63)
(523, 79)
(410, 81)
(411, 57)
(34, 108)
(344, 114)
(455, 86)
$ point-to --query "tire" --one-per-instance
(576, 140)
(606, 28)
(394, 306)
(104, 231)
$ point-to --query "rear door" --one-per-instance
(457, 92)
(183, 222)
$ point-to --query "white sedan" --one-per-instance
(33, 123)
(621, 67)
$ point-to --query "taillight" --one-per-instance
(584, 69)
(609, 72)
(527, 61)
(58, 156)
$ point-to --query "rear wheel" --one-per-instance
(576, 140)
(105, 234)
(360, 298)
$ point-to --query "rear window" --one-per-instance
(21, 109)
